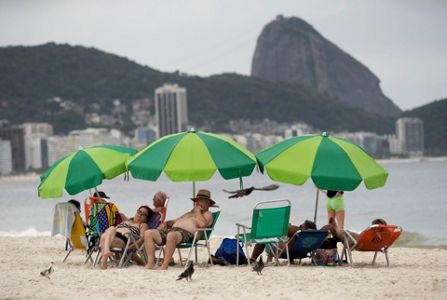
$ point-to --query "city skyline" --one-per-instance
(402, 42)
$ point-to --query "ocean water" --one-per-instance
(414, 197)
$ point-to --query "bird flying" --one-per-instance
(246, 192)
(47, 272)
(258, 266)
(188, 272)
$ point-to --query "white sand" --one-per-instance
(414, 274)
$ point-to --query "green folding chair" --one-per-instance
(269, 225)
(201, 239)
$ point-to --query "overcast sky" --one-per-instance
(403, 42)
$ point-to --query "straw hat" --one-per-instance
(204, 194)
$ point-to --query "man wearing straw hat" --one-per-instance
(181, 230)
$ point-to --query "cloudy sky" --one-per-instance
(404, 42)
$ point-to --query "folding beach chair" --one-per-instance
(304, 243)
(134, 245)
(102, 216)
(375, 238)
(201, 239)
(269, 226)
(67, 222)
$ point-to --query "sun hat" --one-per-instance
(204, 194)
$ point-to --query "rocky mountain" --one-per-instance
(289, 49)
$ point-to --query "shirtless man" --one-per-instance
(181, 230)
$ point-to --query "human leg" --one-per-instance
(172, 240)
(340, 217)
(257, 250)
(151, 237)
(105, 242)
(330, 214)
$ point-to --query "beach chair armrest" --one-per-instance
(348, 237)
(243, 226)
(203, 229)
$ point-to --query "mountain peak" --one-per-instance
(290, 49)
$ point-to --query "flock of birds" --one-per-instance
(189, 270)
(258, 266)
(187, 273)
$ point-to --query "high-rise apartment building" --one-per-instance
(36, 147)
(5, 157)
(60, 146)
(171, 109)
(410, 132)
(16, 136)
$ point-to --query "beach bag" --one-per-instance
(326, 257)
(228, 250)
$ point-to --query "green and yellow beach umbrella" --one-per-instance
(192, 156)
(83, 169)
(332, 163)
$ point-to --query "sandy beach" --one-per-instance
(414, 274)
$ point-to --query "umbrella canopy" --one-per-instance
(83, 169)
(192, 156)
(332, 163)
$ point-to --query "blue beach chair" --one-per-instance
(305, 242)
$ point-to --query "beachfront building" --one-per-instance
(36, 148)
(60, 146)
(5, 157)
(171, 109)
(410, 133)
(15, 135)
(376, 145)
(297, 129)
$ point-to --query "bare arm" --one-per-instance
(166, 224)
(204, 219)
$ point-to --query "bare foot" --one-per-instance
(149, 266)
(103, 264)
(163, 267)
(108, 254)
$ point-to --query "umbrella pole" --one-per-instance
(193, 189)
(316, 206)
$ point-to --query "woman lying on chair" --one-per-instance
(115, 236)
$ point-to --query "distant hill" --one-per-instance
(434, 116)
(289, 49)
(91, 79)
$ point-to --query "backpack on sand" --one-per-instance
(228, 250)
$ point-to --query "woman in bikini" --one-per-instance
(115, 236)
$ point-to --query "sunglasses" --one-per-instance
(141, 213)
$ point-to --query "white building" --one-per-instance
(35, 136)
(171, 109)
(297, 130)
(395, 144)
(5, 157)
(60, 146)
(410, 132)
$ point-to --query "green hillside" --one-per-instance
(92, 79)
(434, 116)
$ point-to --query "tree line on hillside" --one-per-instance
(31, 76)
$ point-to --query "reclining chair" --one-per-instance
(375, 238)
(304, 243)
(269, 226)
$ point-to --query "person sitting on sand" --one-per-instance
(181, 230)
(115, 236)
